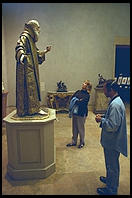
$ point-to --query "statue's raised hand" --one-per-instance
(48, 48)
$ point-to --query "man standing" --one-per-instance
(113, 138)
(28, 59)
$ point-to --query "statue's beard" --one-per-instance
(36, 36)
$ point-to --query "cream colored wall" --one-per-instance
(4, 65)
(82, 38)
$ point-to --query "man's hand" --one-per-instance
(98, 118)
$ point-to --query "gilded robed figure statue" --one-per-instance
(28, 58)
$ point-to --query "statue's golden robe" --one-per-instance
(27, 76)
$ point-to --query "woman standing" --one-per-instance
(80, 113)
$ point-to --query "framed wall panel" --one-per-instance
(121, 70)
(121, 56)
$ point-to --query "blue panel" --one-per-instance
(122, 66)
(122, 60)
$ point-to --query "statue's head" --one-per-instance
(34, 26)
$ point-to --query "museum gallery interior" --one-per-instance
(71, 44)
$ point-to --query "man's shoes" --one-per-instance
(81, 146)
(106, 191)
(71, 144)
(103, 179)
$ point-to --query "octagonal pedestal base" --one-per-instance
(31, 151)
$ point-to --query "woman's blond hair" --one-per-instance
(89, 85)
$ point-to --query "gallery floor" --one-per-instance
(77, 170)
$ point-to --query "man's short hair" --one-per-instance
(112, 84)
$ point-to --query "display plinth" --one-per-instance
(30, 143)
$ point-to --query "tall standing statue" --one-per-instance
(28, 58)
